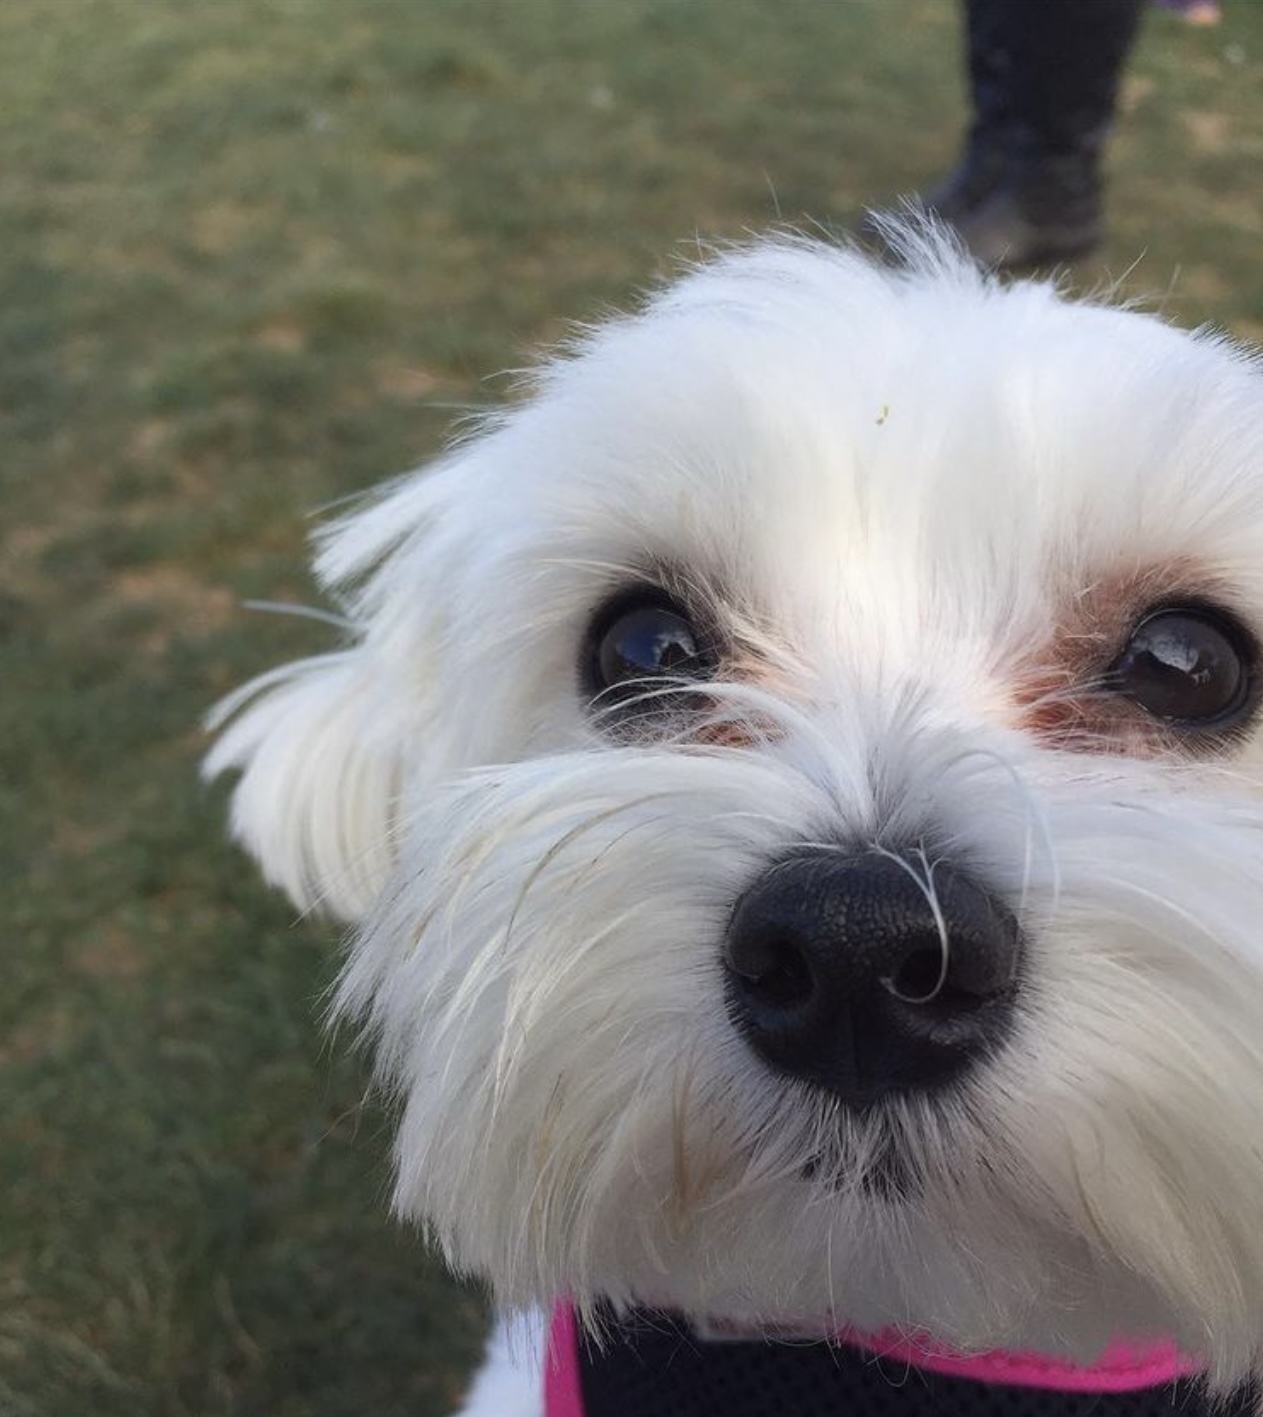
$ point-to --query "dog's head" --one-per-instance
(795, 784)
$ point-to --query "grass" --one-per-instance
(250, 257)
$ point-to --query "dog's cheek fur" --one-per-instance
(1135, 1090)
(543, 995)
(1125, 1114)
(545, 1003)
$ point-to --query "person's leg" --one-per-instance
(1065, 60)
(988, 66)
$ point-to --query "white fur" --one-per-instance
(892, 483)
(510, 1383)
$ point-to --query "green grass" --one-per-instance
(251, 254)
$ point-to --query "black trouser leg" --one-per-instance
(988, 64)
(1066, 61)
(988, 68)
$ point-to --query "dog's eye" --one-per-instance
(1187, 665)
(639, 644)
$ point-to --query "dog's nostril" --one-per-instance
(842, 971)
(937, 978)
(921, 978)
(772, 968)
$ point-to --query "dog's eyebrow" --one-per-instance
(696, 587)
(703, 593)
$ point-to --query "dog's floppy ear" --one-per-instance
(318, 780)
(324, 745)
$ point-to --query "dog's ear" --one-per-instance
(325, 746)
(319, 779)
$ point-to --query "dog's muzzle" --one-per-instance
(850, 973)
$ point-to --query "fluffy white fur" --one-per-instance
(893, 485)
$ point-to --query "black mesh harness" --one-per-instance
(653, 1365)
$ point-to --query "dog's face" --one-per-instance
(796, 785)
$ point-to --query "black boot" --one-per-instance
(985, 162)
(1047, 209)
(1044, 80)
(1066, 58)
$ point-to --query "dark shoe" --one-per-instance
(1048, 211)
(1000, 235)
(980, 174)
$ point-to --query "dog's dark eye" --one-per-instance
(639, 645)
(1187, 665)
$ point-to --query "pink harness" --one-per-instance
(1121, 1368)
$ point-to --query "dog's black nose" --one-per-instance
(847, 972)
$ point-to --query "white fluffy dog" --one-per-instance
(795, 782)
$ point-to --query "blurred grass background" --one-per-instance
(251, 254)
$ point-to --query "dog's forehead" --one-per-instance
(796, 418)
